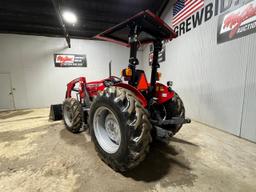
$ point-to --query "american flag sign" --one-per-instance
(184, 8)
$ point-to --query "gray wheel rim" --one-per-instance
(107, 130)
(67, 113)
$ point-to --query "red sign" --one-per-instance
(70, 60)
(62, 59)
(237, 23)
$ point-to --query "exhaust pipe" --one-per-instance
(110, 68)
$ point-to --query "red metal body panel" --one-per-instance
(71, 85)
(91, 87)
(163, 93)
(94, 87)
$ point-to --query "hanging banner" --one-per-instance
(237, 23)
(70, 60)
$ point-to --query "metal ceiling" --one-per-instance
(41, 17)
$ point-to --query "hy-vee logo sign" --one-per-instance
(233, 21)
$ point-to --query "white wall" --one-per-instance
(29, 60)
(216, 82)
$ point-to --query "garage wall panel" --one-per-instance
(29, 60)
(248, 128)
(11, 62)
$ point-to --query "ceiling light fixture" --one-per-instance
(69, 17)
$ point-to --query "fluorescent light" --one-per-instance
(69, 17)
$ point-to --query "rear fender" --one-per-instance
(136, 92)
(163, 93)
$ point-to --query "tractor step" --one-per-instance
(86, 108)
(173, 121)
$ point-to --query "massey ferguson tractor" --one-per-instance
(125, 114)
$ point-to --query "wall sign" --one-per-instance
(70, 60)
(237, 23)
(161, 55)
(183, 9)
(188, 16)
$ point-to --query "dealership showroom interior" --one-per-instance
(128, 95)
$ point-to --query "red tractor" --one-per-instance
(124, 115)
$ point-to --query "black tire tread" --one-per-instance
(128, 105)
(175, 108)
(77, 111)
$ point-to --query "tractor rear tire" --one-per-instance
(126, 145)
(174, 108)
(73, 115)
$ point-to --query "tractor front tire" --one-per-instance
(120, 128)
(73, 115)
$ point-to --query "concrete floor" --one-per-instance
(38, 155)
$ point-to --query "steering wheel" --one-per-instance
(115, 79)
(112, 80)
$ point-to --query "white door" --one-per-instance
(6, 97)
